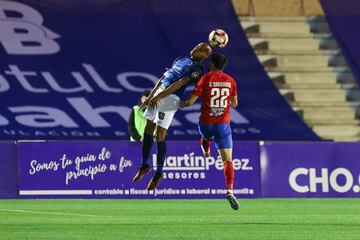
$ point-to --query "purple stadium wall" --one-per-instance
(92, 61)
(8, 170)
(343, 18)
(310, 169)
(104, 169)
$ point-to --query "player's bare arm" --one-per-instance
(190, 101)
(234, 101)
(147, 101)
(171, 89)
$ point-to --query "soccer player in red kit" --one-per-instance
(218, 93)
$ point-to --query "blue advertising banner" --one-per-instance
(310, 169)
(8, 170)
(105, 169)
(74, 71)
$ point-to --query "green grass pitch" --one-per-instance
(180, 219)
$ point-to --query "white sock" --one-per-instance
(229, 191)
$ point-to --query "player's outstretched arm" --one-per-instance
(147, 101)
(234, 101)
(169, 90)
(190, 101)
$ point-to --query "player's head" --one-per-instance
(201, 51)
(218, 61)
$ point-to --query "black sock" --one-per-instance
(146, 148)
(161, 153)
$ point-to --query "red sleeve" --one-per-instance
(199, 87)
(234, 89)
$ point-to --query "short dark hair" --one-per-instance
(219, 61)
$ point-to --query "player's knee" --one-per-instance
(160, 134)
(226, 160)
(160, 137)
(148, 131)
(149, 128)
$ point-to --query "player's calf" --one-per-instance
(229, 179)
(229, 175)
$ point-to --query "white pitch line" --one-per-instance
(49, 213)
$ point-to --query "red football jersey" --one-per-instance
(215, 88)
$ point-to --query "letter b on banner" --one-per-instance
(23, 33)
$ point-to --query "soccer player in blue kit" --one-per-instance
(162, 104)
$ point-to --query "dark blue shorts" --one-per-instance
(219, 133)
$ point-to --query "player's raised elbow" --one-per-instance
(234, 102)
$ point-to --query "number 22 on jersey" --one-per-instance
(219, 97)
